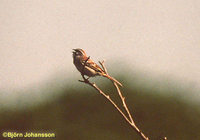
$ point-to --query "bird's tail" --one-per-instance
(112, 79)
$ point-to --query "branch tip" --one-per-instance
(128, 118)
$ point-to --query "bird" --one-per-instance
(88, 67)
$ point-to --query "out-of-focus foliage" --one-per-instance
(83, 114)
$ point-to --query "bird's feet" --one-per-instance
(84, 79)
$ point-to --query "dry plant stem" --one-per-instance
(113, 103)
(120, 94)
(106, 96)
(123, 102)
(131, 121)
(128, 112)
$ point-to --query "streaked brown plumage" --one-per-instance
(87, 66)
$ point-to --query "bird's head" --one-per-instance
(79, 53)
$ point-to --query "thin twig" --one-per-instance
(129, 119)
(103, 66)
(119, 110)
(128, 112)
(106, 72)
(119, 92)
(132, 123)
(107, 97)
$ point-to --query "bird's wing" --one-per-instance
(92, 65)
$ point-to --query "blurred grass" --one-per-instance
(80, 113)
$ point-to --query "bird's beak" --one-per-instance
(73, 50)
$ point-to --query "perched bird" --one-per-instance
(88, 67)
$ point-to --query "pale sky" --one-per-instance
(156, 36)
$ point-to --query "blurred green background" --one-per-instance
(78, 112)
(159, 39)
